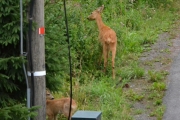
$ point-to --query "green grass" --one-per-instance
(158, 112)
(133, 96)
(154, 76)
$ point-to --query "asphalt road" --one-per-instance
(172, 96)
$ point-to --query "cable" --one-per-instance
(30, 50)
(70, 68)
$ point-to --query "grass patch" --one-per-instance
(155, 76)
(133, 96)
(100, 95)
(158, 112)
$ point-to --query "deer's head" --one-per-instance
(95, 13)
(49, 96)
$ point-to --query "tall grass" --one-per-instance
(100, 95)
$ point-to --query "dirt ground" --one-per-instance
(158, 58)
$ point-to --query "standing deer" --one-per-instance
(107, 37)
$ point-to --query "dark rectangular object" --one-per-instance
(87, 115)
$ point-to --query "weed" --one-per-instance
(131, 95)
(131, 72)
(158, 102)
(155, 76)
(137, 112)
(158, 112)
(154, 94)
(158, 86)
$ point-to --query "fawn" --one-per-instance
(58, 106)
(49, 96)
(107, 37)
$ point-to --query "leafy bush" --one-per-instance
(55, 45)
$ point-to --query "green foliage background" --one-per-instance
(12, 82)
(11, 72)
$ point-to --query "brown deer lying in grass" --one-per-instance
(107, 38)
(58, 106)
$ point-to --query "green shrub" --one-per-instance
(17, 112)
(13, 84)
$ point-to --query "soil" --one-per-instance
(158, 58)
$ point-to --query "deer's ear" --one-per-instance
(100, 9)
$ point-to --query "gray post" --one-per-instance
(38, 60)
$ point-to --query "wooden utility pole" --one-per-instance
(38, 60)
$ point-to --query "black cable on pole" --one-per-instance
(70, 68)
(30, 61)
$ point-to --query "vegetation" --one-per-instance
(17, 112)
(11, 73)
(137, 24)
(13, 86)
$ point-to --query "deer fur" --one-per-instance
(107, 37)
(58, 106)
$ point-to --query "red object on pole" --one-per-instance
(41, 30)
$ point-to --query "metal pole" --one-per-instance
(21, 51)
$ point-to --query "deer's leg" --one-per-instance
(105, 54)
(50, 117)
(113, 49)
(101, 57)
(55, 117)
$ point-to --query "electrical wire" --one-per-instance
(30, 50)
(69, 49)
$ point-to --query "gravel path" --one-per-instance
(172, 97)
